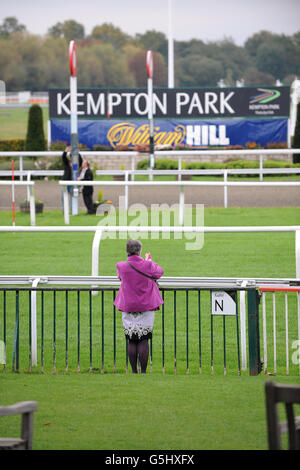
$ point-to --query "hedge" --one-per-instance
(168, 164)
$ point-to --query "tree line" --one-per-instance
(110, 58)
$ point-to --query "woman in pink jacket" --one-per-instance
(137, 299)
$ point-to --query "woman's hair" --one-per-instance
(133, 247)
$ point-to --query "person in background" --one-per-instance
(87, 191)
(67, 175)
(137, 299)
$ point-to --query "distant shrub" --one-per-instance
(35, 139)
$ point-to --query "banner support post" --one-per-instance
(149, 64)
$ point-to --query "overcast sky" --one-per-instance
(208, 20)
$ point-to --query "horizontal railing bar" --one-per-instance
(17, 183)
(178, 183)
(157, 153)
(133, 228)
(185, 282)
(233, 171)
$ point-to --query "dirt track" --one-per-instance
(50, 194)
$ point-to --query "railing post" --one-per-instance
(34, 324)
(32, 205)
(243, 325)
(126, 190)
(253, 332)
(297, 252)
(225, 189)
(181, 205)
(27, 188)
(261, 167)
(132, 165)
(21, 167)
(66, 205)
(95, 255)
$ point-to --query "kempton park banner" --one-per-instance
(194, 117)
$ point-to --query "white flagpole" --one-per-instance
(170, 48)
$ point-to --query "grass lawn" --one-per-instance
(13, 122)
(155, 411)
(119, 412)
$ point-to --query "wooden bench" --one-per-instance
(26, 409)
(288, 395)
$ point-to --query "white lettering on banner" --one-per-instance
(195, 103)
(188, 104)
(61, 106)
(137, 100)
(128, 97)
(206, 135)
(212, 103)
(95, 108)
(158, 104)
(80, 103)
(181, 100)
(210, 100)
(114, 99)
(224, 104)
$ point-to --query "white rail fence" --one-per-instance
(282, 334)
(30, 194)
(270, 319)
(257, 154)
(98, 230)
(181, 184)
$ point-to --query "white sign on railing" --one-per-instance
(222, 303)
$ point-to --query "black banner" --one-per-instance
(186, 103)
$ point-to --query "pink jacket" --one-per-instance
(138, 293)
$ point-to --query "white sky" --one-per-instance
(208, 20)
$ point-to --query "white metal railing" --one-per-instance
(99, 229)
(181, 184)
(271, 328)
(30, 187)
(260, 153)
(179, 173)
(264, 285)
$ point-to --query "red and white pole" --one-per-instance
(149, 66)
(74, 123)
(13, 190)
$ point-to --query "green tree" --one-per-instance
(154, 41)
(271, 59)
(254, 42)
(137, 65)
(113, 70)
(10, 26)
(198, 71)
(254, 77)
(69, 30)
(12, 70)
(108, 33)
(35, 139)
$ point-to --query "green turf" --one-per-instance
(156, 411)
(13, 122)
